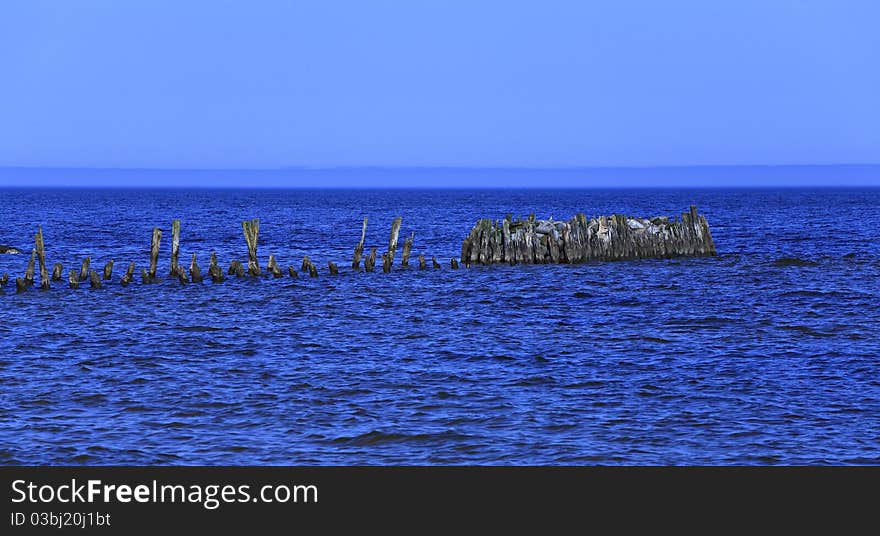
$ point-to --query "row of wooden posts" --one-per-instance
(251, 230)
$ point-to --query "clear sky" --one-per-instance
(263, 84)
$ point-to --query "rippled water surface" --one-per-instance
(767, 354)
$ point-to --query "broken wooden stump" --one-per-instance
(386, 263)
(21, 285)
(94, 279)
(175, 245)
(57, 271)
(359, 248)
(251, 231)
(407, 248)
(84, 271)
(309, 266)
(4, 279)
(29, 271)
(214, 269)
(194, 271)
(40, 249)
(313, 270)
(145, 276)
(180, 273)
(292, 271)
(333, 269)
(617, 237)
(422, 264)
(392, 243)
(435, 263)
(305, 264)
(154, 252)
(454, 263)
(272, 267)
(73, 278)
(236, 268)
(128, 276)
(108, 270)
(370, 261)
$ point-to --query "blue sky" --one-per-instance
(263, 84)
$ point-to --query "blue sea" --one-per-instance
(768, 353)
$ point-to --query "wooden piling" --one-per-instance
(4, 279)
(359, 249)
(313, 270)
(305, 264)
(272, 267)
(108, 270)
(41, 256)
(145, 276)
(386, 263)
(194, 271)
(57, 271)
(236, 268)
(180, 273)
(292, 271)
(422, 264)
(407, 248)
(251, 231)
(434, 262)
(333, 269)
(370, 261)
(84, 271)
(29, 271)
(94, 279)
(392, 241)
(73, 278)
(214, 269)
(21, 285)
(454, 263)
(154, 253)
(175, 245)
(129, 275)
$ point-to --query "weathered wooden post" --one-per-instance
(370, 261)
(214, 269)
(129, 275)
(386, 263)
(94, 279)
(108, 270)
(41, 255)
(305, 264)
(175, 245)
(407, 248)
(273, 268)
(359, 249)
(57, 271)
(251, 231)
(236, 268)
(422, 264)
(392, 242)
(194, 271)
(434, 262)
(4, 279)
(73, 278)
(292, 271)
(29, 272)
(333, 269)
(154, 253)
(21, 285)
(181, 275)
(313, 270)
(454, 263)
(84, 271)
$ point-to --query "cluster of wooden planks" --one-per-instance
(618, 237)
(193, 274)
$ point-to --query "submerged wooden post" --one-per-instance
(407, 248)
(454, 263)
(94, 279)
(214, 269)
(422, 264)
(305, 264)
(84, 271)
(175, 245)
(392, 241)
(251, 231)
(194, 271)
(292, 271)
(333, 268)
(21, 285)
(154, 252)
(41, 256)
(359, 249)
(313, 270)
(236, 268)
(4, 279)
(386, 263)
(370, 261)
(181, 275)
(108, 270)
(73, 278)
(435, 263)
(129, 275)
(56, 271)
(29, 272)
(273, 268)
